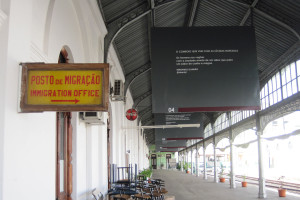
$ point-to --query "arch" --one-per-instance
(245, 138)
(208, 142)
(283, 125)
(223, 143)
(220, 137)
(48, 25)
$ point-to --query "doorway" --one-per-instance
(153, 161)
(63, 148)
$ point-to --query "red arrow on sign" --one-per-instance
(75, 101)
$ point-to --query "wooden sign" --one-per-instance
(64, 87)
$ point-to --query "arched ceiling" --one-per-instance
(276, 22)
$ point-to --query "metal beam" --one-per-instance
(130, 78)
(280, 23)
(193, 13)
(273, 19)
(248, 13)
(115, 27)
(289, 56)
(146, 121)
(138, 100)
(143, 113)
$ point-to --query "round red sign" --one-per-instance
(131, 114)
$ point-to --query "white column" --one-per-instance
(181, 159)
(261, 179)
(187, 158)
(216, 180)
(232, 174)
(197, 174)
(192, 161)
(204, 162)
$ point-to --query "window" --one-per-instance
(221, 123)
(208, 131)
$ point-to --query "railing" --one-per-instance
(291, 187)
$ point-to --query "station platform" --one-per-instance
(189, 187)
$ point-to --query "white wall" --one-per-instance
(35, 31)
(3, 56)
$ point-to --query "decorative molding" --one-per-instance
(281, 109)
(37, 55)
(3, 17)
(99, 21)
(221, 137)
(208, 142)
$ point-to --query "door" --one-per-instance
(153, 161)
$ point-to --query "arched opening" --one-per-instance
(223, 155)
(281, 147)
(209, 153)
(247, 153)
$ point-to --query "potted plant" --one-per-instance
(178, 166)
(281, 190)
(185, 167)
(146, 173)
(222, 179)
(244, 182)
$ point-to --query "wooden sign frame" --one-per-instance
(27, 67)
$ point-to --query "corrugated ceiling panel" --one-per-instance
(132, 44)
(172, 15)
(118, 8)
(145, 103)
(286, 11)
(272, 40)
(219, 13)
(141, 85)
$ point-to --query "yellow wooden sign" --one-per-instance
(70, 87)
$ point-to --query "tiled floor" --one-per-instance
(189, 187)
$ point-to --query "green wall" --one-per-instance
(160, 157)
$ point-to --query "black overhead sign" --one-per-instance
(184, 133)
(204, 69)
